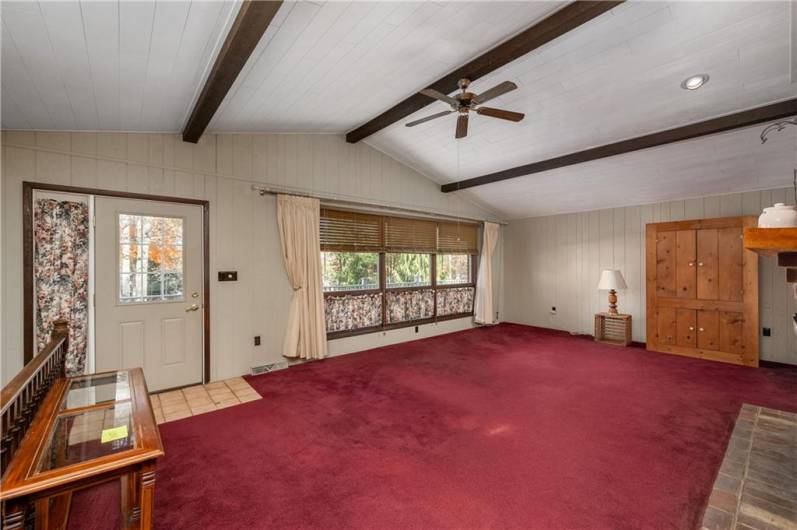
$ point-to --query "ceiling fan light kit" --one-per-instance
(466, 102)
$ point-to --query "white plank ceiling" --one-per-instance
(731, 162)
(126, 66)
(617, 77)
(331, 66)
(328, 67)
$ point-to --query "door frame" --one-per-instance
(28, 188)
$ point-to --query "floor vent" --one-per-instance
(272, 367)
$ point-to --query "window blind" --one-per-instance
(458, 238)
(344, 231)
(410, 235)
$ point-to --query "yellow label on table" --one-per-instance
(115, 433)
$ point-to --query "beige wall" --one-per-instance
(221, 169)
(556, 261)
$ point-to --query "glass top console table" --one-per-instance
(89, 430)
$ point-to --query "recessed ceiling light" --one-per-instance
(694, 82)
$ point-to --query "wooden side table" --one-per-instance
(89, 430)
(613, 329)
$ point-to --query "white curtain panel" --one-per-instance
(483, 306)
(299, 224)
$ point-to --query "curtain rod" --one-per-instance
(343, 202)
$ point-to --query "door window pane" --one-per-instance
(453, 269)
(350, 271)
(407, 270)
(150, 258)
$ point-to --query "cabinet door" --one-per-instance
(665, 264)
(667, 326)
(685, 270)
(708, 329)
(707, 264)
(731, 332)
(687, 322)
(731, 264)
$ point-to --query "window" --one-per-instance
(150, 258)
(350, 271)
(407, 270)
(381, 272)
(453, 269)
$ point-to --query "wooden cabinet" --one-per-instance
(685, 261)
(687, 328)
(708, 329)
(702, 290)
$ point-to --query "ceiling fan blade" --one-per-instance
(429, 118)
(432, 93)
(498, 90)
(462, 126)
(502, 114)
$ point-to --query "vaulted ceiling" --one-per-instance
(120, 66)
(331, 66)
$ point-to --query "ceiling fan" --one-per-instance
(465, 102)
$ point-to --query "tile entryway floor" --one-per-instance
(756, 488)
(193, 400)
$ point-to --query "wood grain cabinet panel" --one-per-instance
(702, 290)
(707, 265)
(708, 329)
(665, 264)
(731, 327)
(687, 326)
(667, 325)
(731, 263)
(685, 261)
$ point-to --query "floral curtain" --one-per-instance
(454, 301)
(409, 305)
(61, 274)
(349, 312)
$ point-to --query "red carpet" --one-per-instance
(506, 427)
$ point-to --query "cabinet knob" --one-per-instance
(700, 264)
(701, 329)
(691, 263)
(691, 328)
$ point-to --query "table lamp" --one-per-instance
(612, 280)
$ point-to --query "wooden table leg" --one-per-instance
(138, 496)
(42, 508)
(59, 510)
(147, 494)
(129, 497)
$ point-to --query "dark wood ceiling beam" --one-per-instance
(248, 28)
(556, 25)
(746, 118)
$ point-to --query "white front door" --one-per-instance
(148, 272)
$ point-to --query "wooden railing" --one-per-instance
(21, 397)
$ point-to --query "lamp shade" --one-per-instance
(611, 279)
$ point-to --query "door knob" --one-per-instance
(193, 307)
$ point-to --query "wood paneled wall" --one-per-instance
(220, 168)
(556, 261)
